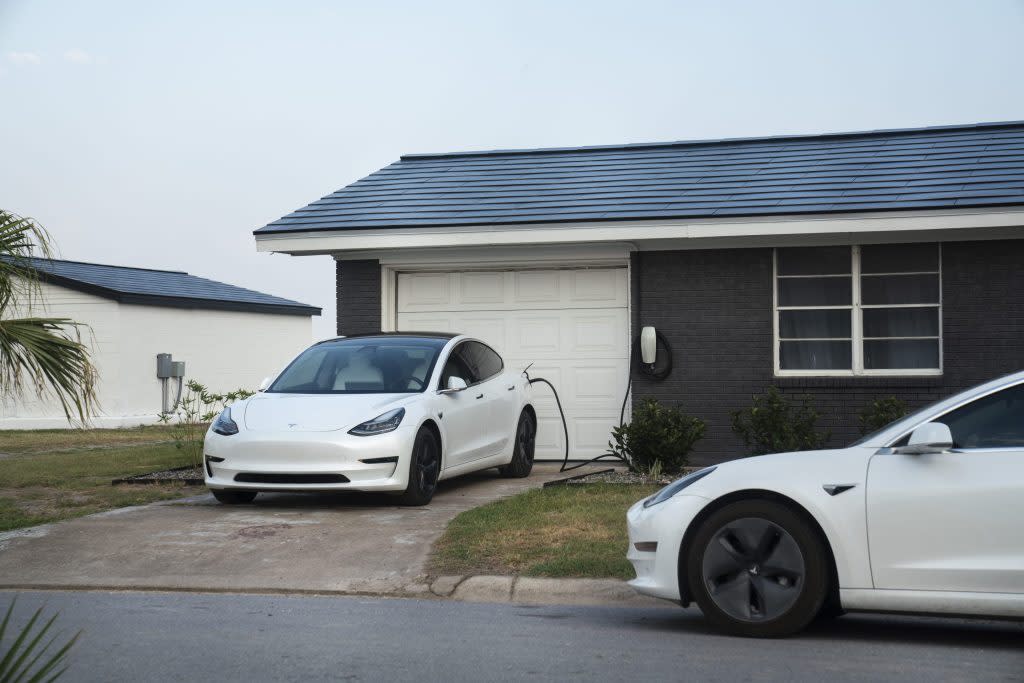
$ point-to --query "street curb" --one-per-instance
(482, 589)
(543, 591)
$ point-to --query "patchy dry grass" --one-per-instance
(40, 440)
(36, 488)
(563, 531)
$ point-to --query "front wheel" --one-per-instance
(233, 497)
(522, 451)
(424, 468)
(758, 569)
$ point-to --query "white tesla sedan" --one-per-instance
(923, 516)
(387, 412)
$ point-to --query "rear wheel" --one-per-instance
(756, 568)
(522, 454)
(233, 497)
(424, 468)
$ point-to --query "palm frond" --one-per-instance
(21, 240)
(47, 355)
(28, 658)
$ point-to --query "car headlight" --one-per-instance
(677, 486)
(388, 422)
(224, 425)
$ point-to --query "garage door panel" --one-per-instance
(537, 286)
(604, 286)
(430, 291)
(481, 288)
(597, 333)
(573, 325)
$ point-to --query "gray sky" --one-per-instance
(161, 134)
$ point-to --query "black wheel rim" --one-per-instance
(427, 464)
(525, 436)
(753, 569)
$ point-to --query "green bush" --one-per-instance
(881, 412)
(659, 438)
(774, 425)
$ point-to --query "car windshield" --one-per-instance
(362, 365)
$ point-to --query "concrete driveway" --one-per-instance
(354, 543)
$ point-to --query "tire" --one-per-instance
(757, 569)
(424, 468)
(525, 440)
(229, 497)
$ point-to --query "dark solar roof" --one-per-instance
(924, 168)
(163, 288)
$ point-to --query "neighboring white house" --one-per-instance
(228, 337)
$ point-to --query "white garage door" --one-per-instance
(573, 325)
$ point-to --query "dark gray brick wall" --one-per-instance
(358, 291)
(715, 309)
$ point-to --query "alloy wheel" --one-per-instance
(427, 464)
(753, 569)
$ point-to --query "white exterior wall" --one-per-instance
(224, 350)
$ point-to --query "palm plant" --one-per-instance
(42, 354)
(24, 660)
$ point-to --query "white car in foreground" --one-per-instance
(923, 516)
(388, 412)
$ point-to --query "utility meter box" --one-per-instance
(164, 366)
(178, 368)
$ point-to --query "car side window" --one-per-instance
(483, 360)
(994, 421)
(457, 366)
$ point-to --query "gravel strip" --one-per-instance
(627, 477)
(190, 475)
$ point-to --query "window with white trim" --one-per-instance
(861, 310)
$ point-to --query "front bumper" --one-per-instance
(657, 570)
(267, 454)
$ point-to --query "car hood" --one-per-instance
(316, 412)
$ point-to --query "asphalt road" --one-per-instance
(185, 636)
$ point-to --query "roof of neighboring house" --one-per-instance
(163, 288)
(979, 165)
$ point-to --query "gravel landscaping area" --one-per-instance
(190, 474)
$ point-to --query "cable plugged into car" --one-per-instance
(643, 357)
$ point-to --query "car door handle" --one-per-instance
(512, 388)
(480, 396)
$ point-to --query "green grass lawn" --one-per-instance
(37, 440)
(39, 487)
(562, 531)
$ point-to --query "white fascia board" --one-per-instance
(701, 233)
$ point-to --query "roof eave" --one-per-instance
(682, 230)
(176, 301)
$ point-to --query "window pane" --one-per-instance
(810, 324)
(483, 360)
(901, 322)
(899, 289)
(814, 261)
(899, 258)
(815, 355)
(995, 421)
(901, 354)
(815, 291)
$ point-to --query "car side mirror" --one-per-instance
(264, 384)
(455, 385)
(932, 437)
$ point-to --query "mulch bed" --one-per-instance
(617, 476)
(191, 475)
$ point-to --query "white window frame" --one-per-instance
(856, 309)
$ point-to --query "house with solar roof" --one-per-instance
(228, 337)
(846, 266)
